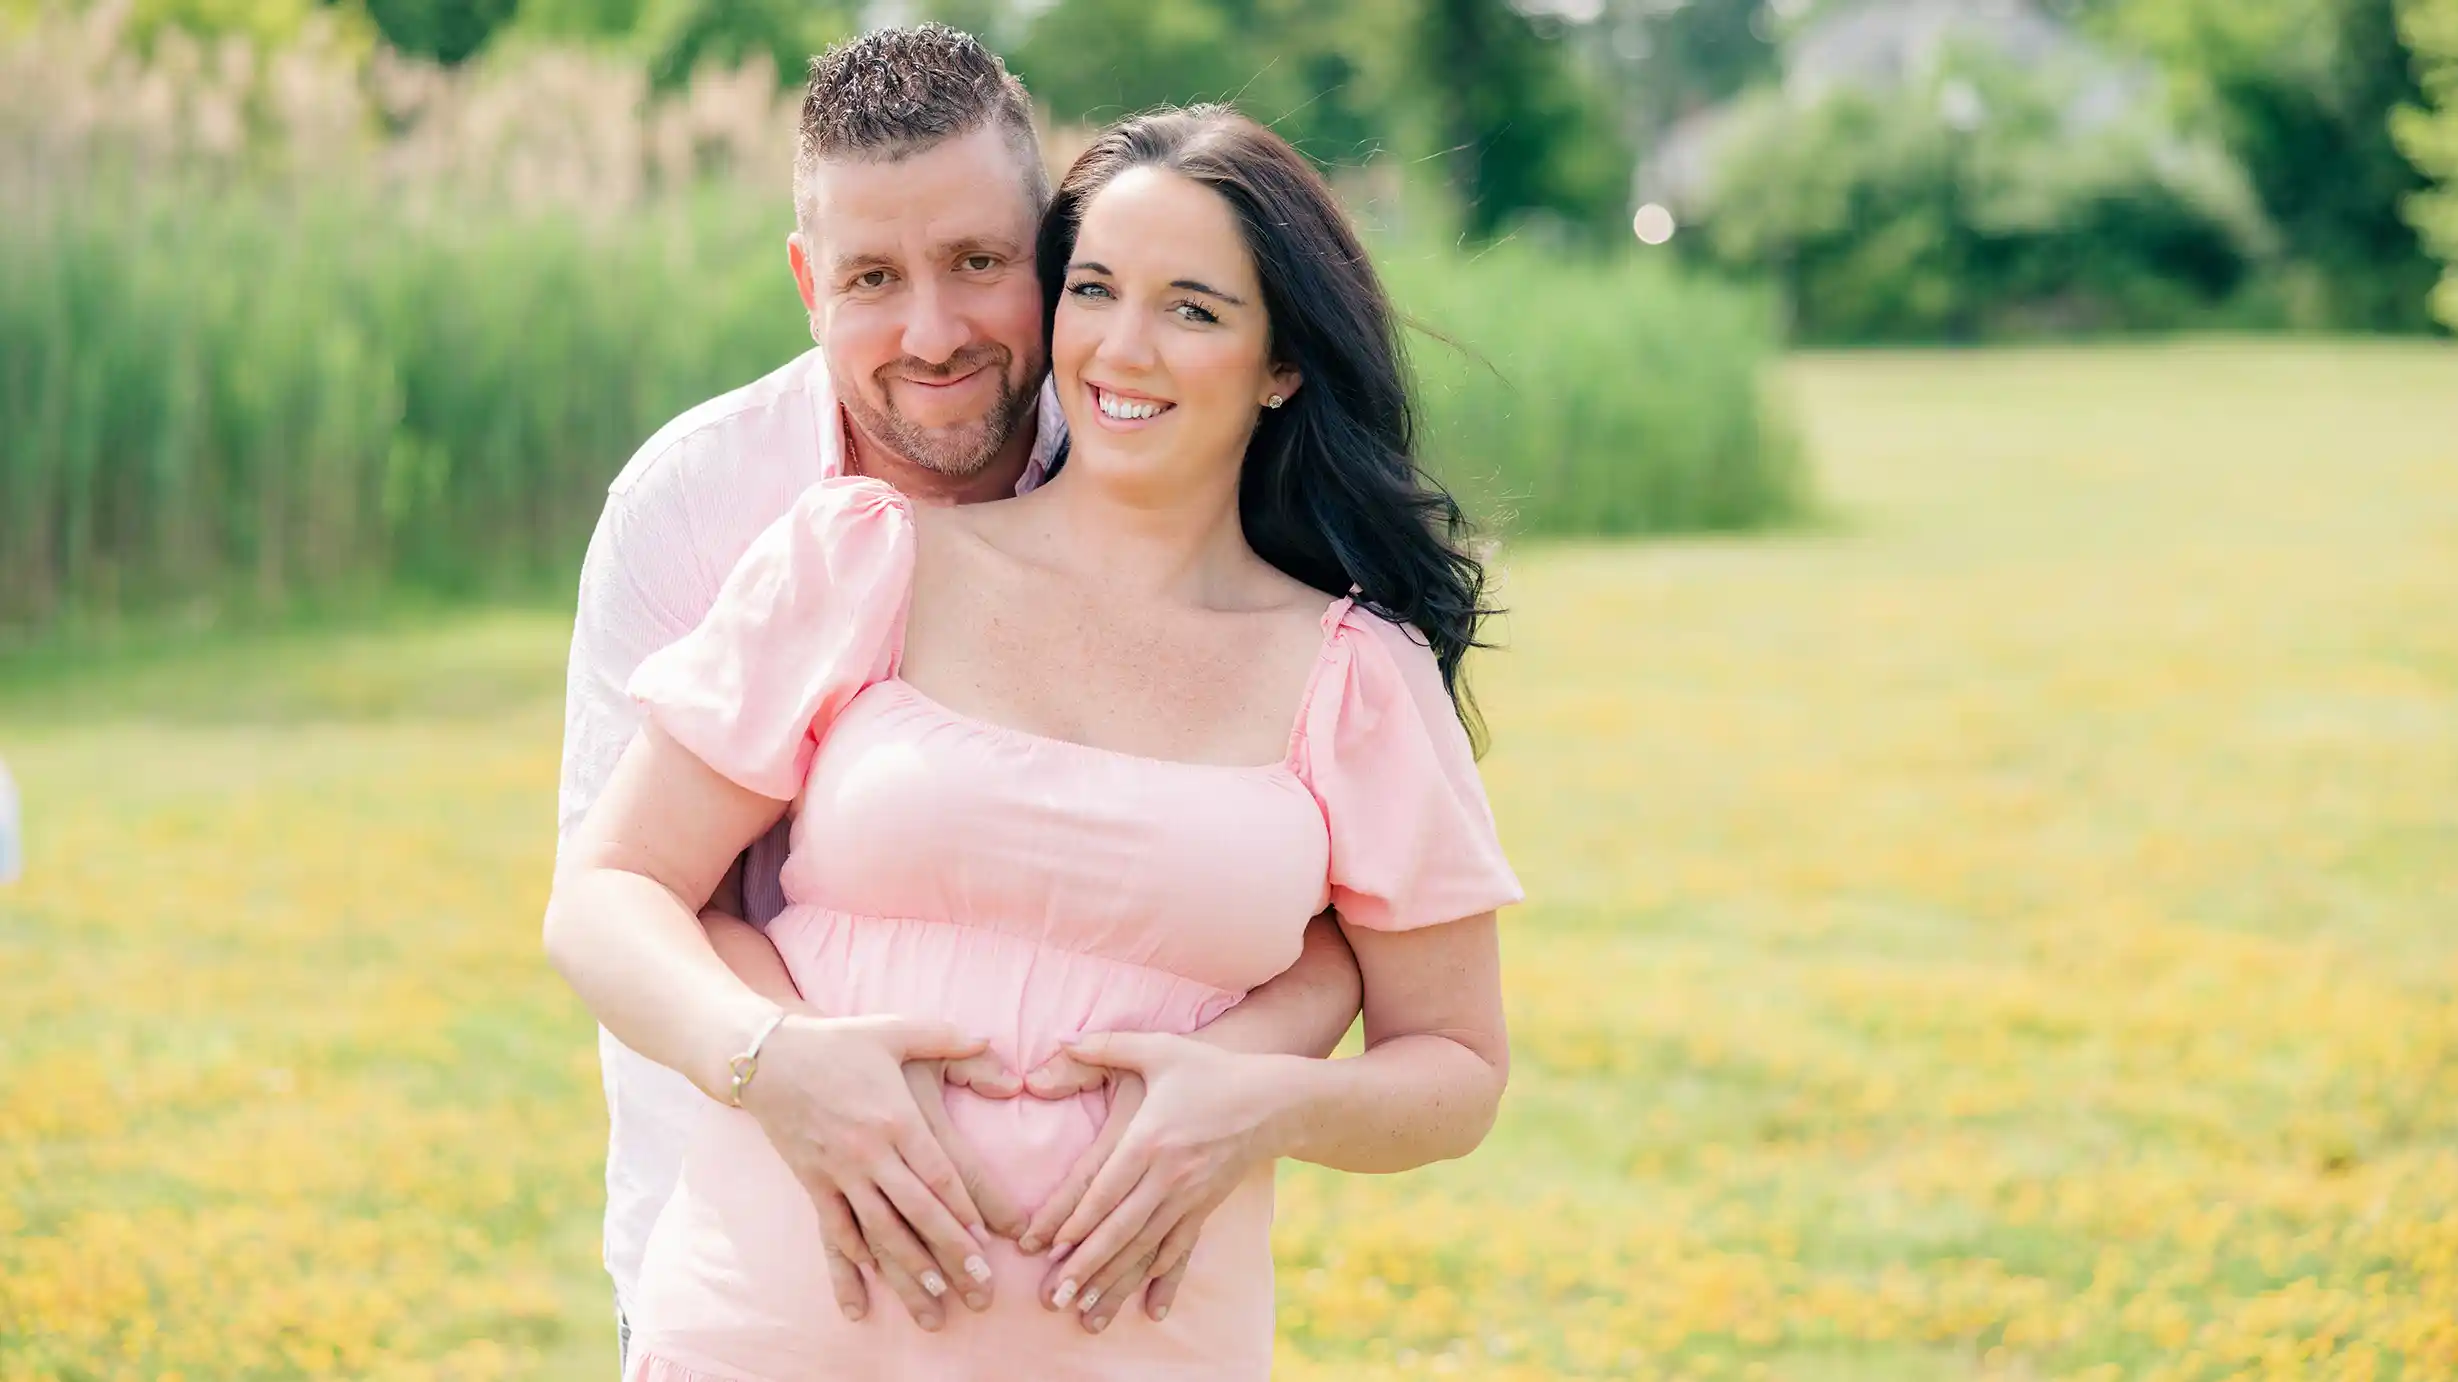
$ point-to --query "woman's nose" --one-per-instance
(1127, 342)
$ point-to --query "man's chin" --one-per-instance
(957, 452)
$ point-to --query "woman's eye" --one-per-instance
(1089, 290)
(1195, 312)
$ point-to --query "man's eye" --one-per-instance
(980, 263)
(876, 278)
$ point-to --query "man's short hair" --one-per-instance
(895, 92)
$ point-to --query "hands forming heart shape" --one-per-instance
(857, 1107)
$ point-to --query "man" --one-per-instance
(918, 190)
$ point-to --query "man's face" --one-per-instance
(918, 274)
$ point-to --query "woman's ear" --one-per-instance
(1285, 383)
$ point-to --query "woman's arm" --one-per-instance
(1426, 1089)
(623, 927)
(1437, 1056)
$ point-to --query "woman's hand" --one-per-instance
(1188, 1124)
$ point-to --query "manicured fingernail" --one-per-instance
(1030, 1246)
(977, 1268)
(1091, 1298)
(1066, 1292)
(934, 1283)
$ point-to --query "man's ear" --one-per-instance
(798, 254)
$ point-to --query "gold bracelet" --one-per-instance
(747, 1064)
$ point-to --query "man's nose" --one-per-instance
(936, 330)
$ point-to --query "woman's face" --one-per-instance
(1160, 344)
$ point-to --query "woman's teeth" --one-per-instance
(1123, 410)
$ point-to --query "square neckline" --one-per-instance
(1335, 615)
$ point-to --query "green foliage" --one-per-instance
(448, 31)
(1601, 396)
(1521, 127)
(2301, 92)
(680, 35)
(230, 398)
(1974, 206)
(225, 396)
(2428, 134)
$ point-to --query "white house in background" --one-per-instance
(1884, 45)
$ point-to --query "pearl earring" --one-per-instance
(1274, 401)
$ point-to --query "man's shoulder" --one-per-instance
(770, 426)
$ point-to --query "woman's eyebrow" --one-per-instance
(1208, 290)
(1186, 284)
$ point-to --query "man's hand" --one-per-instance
(834, 1099)
(1189, 1123)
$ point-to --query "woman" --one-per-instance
(1086, 762)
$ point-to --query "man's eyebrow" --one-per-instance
(976, 244)
(1188, 284)
(849, 264)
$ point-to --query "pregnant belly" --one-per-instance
(1025, 997)
(1026, 1145)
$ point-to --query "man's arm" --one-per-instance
(1303, 1011)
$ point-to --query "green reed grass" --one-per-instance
(1598, 396)
(231, 397)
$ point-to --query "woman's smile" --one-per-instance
(1124, 410)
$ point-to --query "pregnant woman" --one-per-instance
(1084, 763)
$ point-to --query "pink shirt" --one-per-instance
(676, 520)
(1030, 889)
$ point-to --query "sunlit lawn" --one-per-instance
(2009, 929)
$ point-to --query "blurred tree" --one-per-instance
(1324, 76)
(2301, 91)
(1886, 216)
(680, 35)
(1526, 129)
(449, 31)
(1670, 58)
(1522, 128)
(589, 19)
(2428, 133)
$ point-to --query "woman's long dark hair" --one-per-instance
(1331, 492)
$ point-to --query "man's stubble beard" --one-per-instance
(959, 453)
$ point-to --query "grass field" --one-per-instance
(2007, 930)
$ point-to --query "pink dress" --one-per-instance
(1028, 890)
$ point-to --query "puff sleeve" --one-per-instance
(1412, 838)
(813, 613)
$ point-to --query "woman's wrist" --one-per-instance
(748, 1021)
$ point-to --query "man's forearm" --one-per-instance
(1305, 1010)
